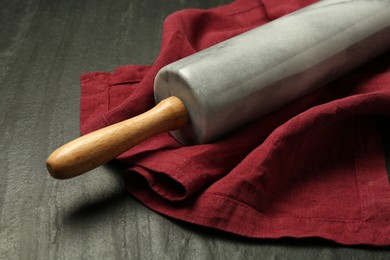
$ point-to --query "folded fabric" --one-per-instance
(314, 168)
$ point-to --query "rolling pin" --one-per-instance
(211, 93)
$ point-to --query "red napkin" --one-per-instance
(312, 169)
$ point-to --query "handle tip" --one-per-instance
(52, 169)
(58, 169)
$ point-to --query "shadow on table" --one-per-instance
(92, 211)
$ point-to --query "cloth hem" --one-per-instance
(245, 221)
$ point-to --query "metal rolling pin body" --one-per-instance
(246, 77)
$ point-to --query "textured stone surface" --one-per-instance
(44, 46)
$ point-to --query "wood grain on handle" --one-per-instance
(94, 149)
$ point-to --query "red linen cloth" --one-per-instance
(312, 169)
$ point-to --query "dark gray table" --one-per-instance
(44, 46)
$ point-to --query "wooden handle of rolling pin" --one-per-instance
(94, 149)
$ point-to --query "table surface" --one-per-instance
(44, 47)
